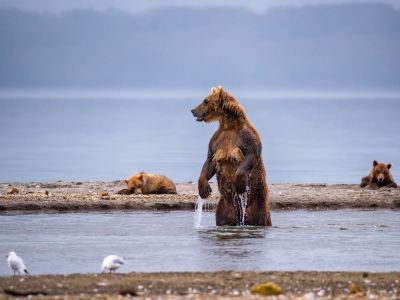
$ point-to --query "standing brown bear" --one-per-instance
(379, 176)
(234, 154)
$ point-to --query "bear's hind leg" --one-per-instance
(225, 214)
(258, 216)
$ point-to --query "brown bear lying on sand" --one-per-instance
(379, 176)
(234, 154)
(145, 183)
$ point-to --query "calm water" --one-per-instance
(331, 141)
(334, 240)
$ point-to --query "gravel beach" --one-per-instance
(63, 196)
(206, 285)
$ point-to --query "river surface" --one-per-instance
(344, 240)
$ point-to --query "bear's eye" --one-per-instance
(205, 101)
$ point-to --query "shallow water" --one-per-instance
(167, 241)
(304, 140)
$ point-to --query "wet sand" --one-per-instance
(65, 196)
(226, 284)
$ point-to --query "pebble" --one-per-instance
(235, 293)
(102, 283)
(13, 191)
(237, 275)
(309, 296)
(268, 288)
(354, 288)
(105, 195)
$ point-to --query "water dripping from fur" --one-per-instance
(241, 201)
(198, 212)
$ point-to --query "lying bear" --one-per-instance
(234, 155)
(145, 183)
(379, 176)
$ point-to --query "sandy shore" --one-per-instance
(65, 196)
(221, 285)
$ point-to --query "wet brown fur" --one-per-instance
(146, 183)
(234, 155)
(379, 176)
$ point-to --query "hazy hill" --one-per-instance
(337, 46)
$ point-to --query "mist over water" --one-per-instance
(304, 140)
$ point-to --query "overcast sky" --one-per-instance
(143, 5)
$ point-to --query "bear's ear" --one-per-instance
(389, 166)
(140, 177)
(216, 90)
(375, 163)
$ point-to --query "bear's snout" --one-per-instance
(381, 178)
(198, 114)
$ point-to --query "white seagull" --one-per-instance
(16, 263)
(111, 263)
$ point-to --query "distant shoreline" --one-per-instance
(66, 196)
(194, 93)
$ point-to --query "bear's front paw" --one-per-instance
(241, 183)
(373, 186)
(124, 192)
(363, 184)
(204, 189)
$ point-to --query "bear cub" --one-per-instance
(379, 176)
(146, 183)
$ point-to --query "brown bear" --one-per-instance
(146, 183)
(379, 176)
(234, 155)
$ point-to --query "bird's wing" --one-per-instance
(13, 264)
(118, 260)
(20, 263)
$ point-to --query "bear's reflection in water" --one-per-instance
(233, 233)
(233, 242)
